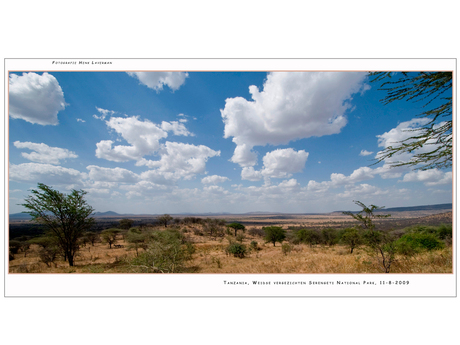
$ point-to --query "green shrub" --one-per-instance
(254, 245)
(329, 236)
(308, 236)
(413, 243)
(165, 253)
(237, 249)
(351, 238)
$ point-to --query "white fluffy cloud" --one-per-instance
(35, 98)
(402, 132)
(365, 153)
(156, 80)
(340, 180)
(214, 179)
(292, 105)
(44, 153)
(143, 137)
(111, 174)
(281, 163)
(45, 173)
(177, 127)
(181, 160)
(430, 177)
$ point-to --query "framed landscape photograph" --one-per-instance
(230, 177)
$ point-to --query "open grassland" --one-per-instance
(210, 256)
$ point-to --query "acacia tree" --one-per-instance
(165, 219)
(366, 216)
(434, 90)
(66, 217)
(274, 234)
(236, 227)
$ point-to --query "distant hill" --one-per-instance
(108, 213)
(412, 208)
(420, 208)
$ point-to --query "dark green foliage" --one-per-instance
(308, 236)
(254, 245)
(236, 227)
(434, 89)
(412, 243)
(126, 223)
(237, 249)
(351, 237)
(329, 236)
(65, 217)
(274, 234)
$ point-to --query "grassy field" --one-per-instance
(210, 256)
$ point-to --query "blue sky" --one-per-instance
(191, 142)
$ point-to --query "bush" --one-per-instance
(413, 243)
(254, 245)
(329, 236)
(237, 249)
(351, 238)
(165, 253)
(309, 236)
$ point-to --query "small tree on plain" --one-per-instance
(274, 234)
(236, 227)
(66, 217)
(109, 236)
(164, 219)
(351, 238)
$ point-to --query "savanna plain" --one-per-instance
(412, 242)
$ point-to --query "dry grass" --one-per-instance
(210, 257)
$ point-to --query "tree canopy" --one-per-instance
(66, 217)
(434, 91)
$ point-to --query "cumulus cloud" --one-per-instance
(44, 153)
(430, 177)
(182, 160)
(97, 173)
(35, 98)
(292, 105)
(214, 179)
(340, 180)
(143, 137)
(280, 163)
(283, 163)
(177, 127)
(365, 153)
(156, 80)
(404, 131)
(45, 173)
